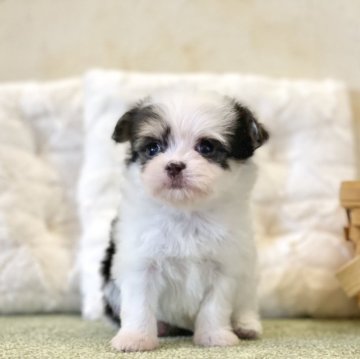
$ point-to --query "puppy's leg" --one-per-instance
(212, 326)
(138, 330)
(246, 321)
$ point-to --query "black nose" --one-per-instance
(174, 168)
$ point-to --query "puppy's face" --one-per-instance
(186, 145)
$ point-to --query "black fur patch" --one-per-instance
(105, 270)
(248, 134)
(106, 264)
(114, 317)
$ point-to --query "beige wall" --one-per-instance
(43, 39)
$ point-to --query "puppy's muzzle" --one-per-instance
(174, 169)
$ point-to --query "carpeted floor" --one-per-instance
(66, 336)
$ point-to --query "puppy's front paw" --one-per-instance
(128, 341)
(249, 328)
(218, 338)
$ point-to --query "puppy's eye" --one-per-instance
(152, 149)
(205, 147)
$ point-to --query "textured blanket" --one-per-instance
(47, 140)
(40, 155)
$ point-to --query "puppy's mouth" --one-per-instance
(183, 187)
(177, 183)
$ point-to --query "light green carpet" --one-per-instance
(66, 336)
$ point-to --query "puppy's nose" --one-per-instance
(174, 168)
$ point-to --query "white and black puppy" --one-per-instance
(182, 251)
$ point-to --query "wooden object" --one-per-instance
(349, 277)
(349, 274)
(350, 194)
(355, 216)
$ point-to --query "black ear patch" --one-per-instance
(123, 128)
(128, 128)
(248, 134)
(130, 121)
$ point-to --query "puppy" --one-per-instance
(182, 251)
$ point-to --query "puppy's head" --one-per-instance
(187, 145)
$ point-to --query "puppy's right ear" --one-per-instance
(123, 128)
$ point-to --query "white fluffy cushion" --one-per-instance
(40, 154)
(296, 210)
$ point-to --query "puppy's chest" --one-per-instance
(193, 237)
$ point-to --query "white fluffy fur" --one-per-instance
(186, 256)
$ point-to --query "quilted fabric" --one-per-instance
(297, 217)
(40, 155)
